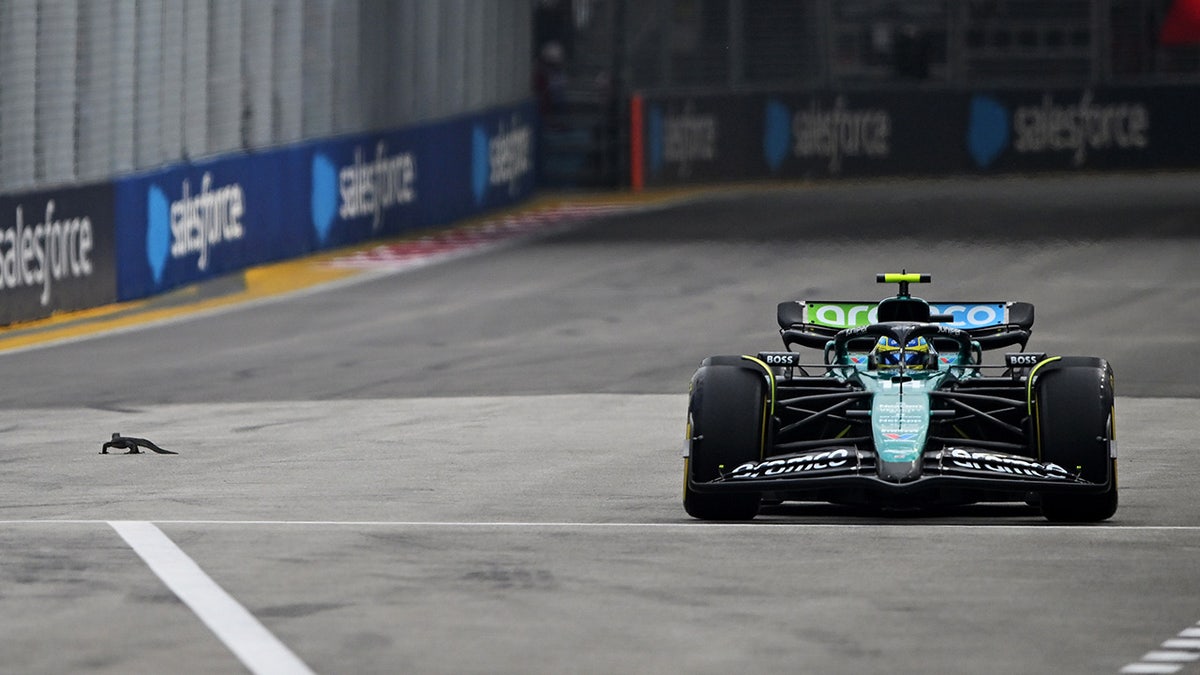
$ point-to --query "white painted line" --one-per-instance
(762, 524)
(1172, 656)
(1151, 668)
(248, 639)
(1176, 643)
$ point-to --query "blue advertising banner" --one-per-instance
(188, 223)
(385, 184)
(199, 221)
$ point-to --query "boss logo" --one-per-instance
(1024, 359)
(779, 358)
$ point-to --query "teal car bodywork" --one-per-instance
(938, 426)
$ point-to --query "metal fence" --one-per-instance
(784, 44)
(95, 88)
(614, 48)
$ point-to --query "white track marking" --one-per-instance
(1171, 655)
(248, 639)
(1174, 656)
(764, 525)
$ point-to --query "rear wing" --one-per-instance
(812, 323)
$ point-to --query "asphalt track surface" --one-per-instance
(473, 467)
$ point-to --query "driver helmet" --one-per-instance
(914, 355)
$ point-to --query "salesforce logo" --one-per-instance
(158, 231)
(195, 225)
(831, 133)
(1072, 128)
(987, 130)
(324, 195)
(503, 159)
(480, 164)
(680, 139)
(367, 187)
(777, 135)
(36, 254)
(654, 139)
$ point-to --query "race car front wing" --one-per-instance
(850, 466)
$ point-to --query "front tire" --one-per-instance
(1074, 415)
(726, 421)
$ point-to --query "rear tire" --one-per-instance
(1075, 408)
(726, 418)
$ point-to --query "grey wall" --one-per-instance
(90, 89)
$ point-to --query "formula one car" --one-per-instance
(896, 409)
